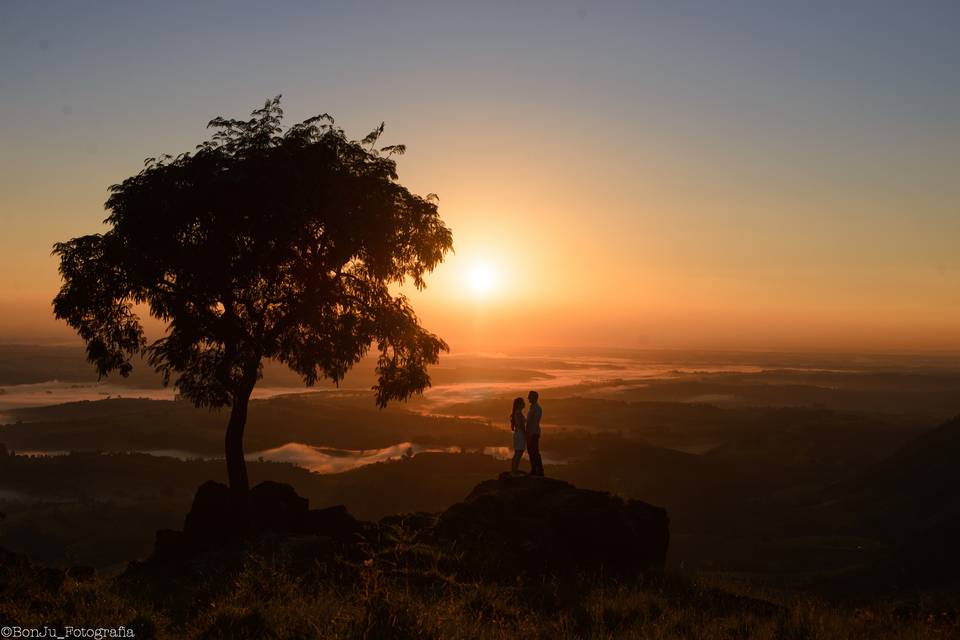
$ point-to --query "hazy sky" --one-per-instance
(715, 174)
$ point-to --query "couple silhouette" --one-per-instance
(526, 434)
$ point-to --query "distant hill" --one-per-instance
(910, 501)
(350, 420)
(32, 364)
(913, 490)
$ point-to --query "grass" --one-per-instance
(383, 598)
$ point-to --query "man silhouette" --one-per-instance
(533, 434)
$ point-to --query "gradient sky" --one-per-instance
(663, 174)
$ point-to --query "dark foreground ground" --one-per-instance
(263, 600)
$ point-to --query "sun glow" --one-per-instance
(481, 280)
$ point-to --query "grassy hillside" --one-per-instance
(268, 597)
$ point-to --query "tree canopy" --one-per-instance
(262, 243)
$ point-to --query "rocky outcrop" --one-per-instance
(504, 528)
(529, 524)
(217, 520)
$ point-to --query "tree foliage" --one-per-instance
(262, 243)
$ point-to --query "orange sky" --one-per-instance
(668, 180)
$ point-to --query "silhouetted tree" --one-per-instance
(260, 244)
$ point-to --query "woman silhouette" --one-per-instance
(518, 424)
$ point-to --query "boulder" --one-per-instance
(214, 517)
(273, 506)
(530, 524)
(335, 522)
(218, 519)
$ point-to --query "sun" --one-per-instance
(481, 280)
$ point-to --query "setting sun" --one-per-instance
(481, 280)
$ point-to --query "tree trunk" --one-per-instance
(233, 444)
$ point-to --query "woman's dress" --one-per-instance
(519, 440)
